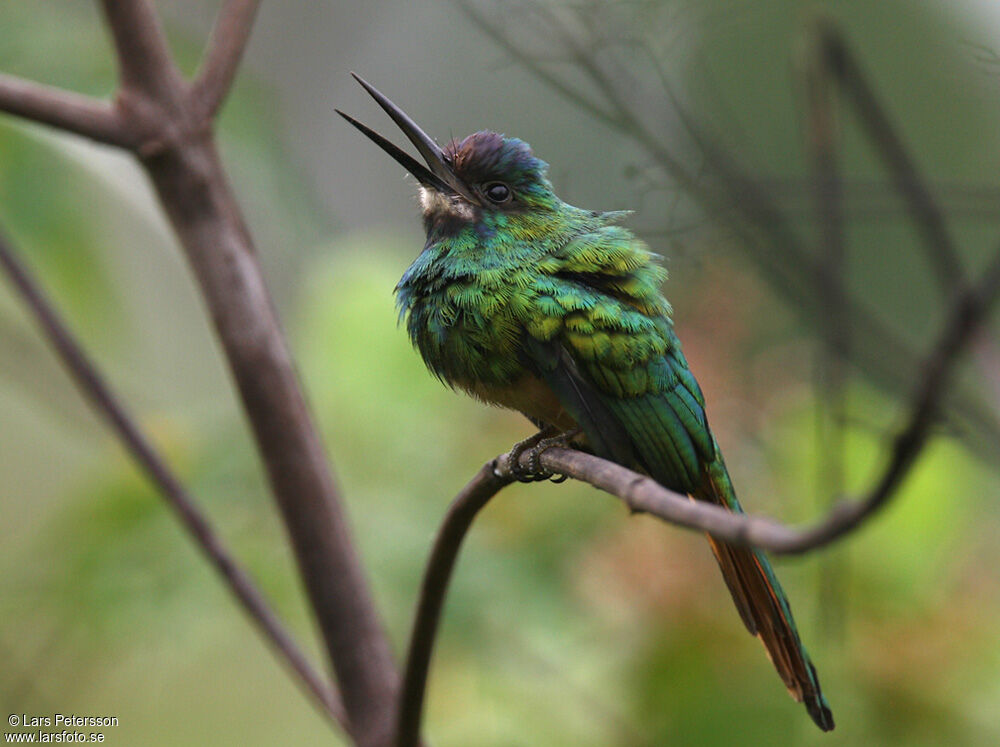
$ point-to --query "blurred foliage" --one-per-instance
(569, 622)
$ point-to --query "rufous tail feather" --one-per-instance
(763, 606)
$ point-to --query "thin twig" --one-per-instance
(831, 360)
(223, 54)
(532, 64)
(941, 250)
(437, 575)
(109, 407)
(61, 109)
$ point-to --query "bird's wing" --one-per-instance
(554, 364)
(603, 343)
(627, 384)
(607, 349)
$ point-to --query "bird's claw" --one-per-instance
(538, 444)
(519, 473)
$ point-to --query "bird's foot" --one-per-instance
(518, 472)
(545, 439)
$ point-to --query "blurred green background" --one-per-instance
(569, 623)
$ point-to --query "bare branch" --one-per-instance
(145, 64)
(189, 179)
(888, 144)
(638, 492)
(222, 55)
(109, 407)
(831, 360)
(191, 184)
(174, 142)
(440, 565)
(64, 110)
(492, 30)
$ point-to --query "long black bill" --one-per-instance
(437, 174)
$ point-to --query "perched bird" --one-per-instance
(529, 303)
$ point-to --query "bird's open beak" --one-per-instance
(438, 174)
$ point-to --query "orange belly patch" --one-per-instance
(528, 395)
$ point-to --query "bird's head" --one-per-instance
(482, 177)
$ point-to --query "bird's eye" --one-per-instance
(497, 192)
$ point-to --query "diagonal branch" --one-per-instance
(183, 164)
(941, 249)
(203, 211)
(63, 110)
(109, 407)
(175, 144)
(222, 55)
(145, 64)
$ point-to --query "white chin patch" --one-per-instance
(433, 203)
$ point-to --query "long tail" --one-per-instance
(762, 603)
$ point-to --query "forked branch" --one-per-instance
(109, 407)
(167, 123)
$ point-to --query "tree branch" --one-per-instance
(195, 194)
(440, 565)
(145, 64)
(222, 55)
(644, 495)
(107, 405)
(941, 250)
(188, 177)
(63, 110)
(175, 144)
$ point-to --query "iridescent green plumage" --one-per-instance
(532, 304)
